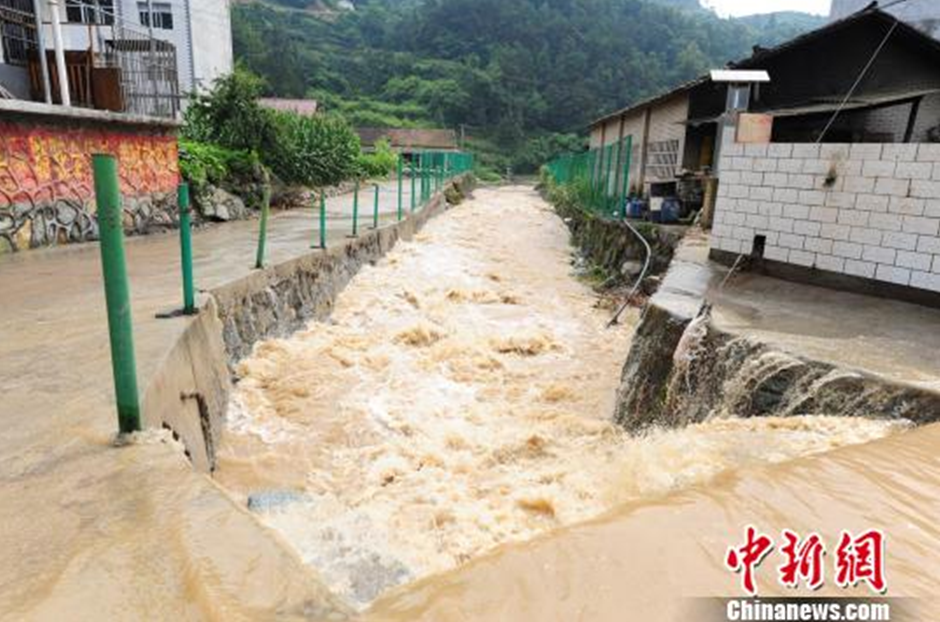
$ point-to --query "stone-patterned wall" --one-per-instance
(46, 186)
(864, 210)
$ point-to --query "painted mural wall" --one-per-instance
(46, 186)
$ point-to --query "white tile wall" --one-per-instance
(878, 218)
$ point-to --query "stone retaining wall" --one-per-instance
(46, 185)
(610, 245)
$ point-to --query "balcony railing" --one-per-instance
(122, 68)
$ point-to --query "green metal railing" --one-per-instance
(426, 173)
(431, 169)
(600, 176)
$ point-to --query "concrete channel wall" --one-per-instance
(189, 393)
(611, 246)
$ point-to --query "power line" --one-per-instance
(858, 80)
(890, 4)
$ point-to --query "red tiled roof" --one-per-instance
(409, 139)
(305, 107)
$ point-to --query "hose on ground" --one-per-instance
(649, 256)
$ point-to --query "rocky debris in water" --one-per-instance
(370, 575)
(631, 269)
(269, 500)
(421, 335)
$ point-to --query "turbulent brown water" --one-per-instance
(459, 399)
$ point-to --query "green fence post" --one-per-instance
(323, 218)
(117, 292)
(421, 174)
(423, 171)
(610, 159)
(413, 182)
(626, 174)
(355, 214)
(263, 230)
(375, 209)
(186, 250)
(400, 166)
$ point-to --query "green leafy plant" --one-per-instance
(202, 163)
(378, 164)
(313, 151)
(229, 115)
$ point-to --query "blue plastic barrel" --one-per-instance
(672, 210)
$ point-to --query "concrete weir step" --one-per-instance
(756, 346)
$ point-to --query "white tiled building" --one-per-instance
(862, 210)
(81, 32)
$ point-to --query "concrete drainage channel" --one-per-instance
(679, 369)
(189, 392)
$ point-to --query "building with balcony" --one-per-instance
(80, 77)
(137, 56)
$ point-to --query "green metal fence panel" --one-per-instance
(600, 176)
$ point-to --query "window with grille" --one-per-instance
(663, 159)
(17, 31)
(89, 11)
(161, 13)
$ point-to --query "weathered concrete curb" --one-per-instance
(682, 369)
(188, 392)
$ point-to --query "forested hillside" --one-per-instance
(522, 75)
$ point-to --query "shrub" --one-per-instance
(202, 163)
(229, 115)
(487, 175)
(378, 164)
(313, 151)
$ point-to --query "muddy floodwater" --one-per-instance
(459, 399)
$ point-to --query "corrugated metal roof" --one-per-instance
(656, 99)
(831, 105)
(857, 103)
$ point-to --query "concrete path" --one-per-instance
(94, 532)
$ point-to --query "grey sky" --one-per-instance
(749, 7)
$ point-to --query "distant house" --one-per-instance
(408, 141)
(303, 107)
